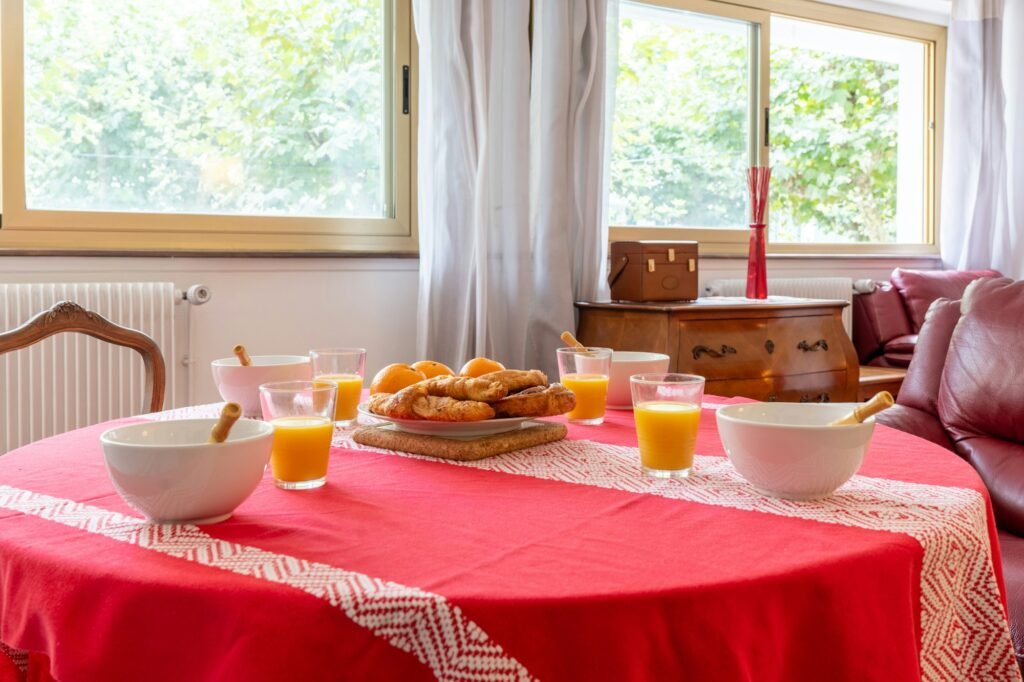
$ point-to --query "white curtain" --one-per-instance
(510, 175)
(983, 164)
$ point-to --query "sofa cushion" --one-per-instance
(897, 359)
(981, 395)
(877, 317)
(919, 288)
(920, 388)
(901, 344)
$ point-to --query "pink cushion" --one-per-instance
(920, 287)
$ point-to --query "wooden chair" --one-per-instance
(67, 316)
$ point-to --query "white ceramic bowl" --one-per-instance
(626, 363)
(788, 450)
(242, 384)
(170, 473)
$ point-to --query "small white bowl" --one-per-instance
(171, 474)
(626, 363)
(788, 450)
(241, 384)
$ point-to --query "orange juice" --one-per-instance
(350, 387)
(301, 447)
(590, 390)
(667, 433)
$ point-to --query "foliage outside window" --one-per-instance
(850, 124)
(273, 117)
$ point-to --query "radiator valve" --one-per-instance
(197, 294)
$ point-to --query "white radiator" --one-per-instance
(832, 288)
(72, 380)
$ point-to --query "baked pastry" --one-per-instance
(466, 388)
(518, 379)
(538, 401)
(414, 402)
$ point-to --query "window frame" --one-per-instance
(71, 231)
(733, 242)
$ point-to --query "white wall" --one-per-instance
(272, 305)
(289, 305)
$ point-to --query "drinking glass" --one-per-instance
(585, 373)
(344, 368)
(666, 408)
(302, 413)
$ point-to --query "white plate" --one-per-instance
(460, 430)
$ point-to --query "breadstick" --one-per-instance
(881, 401)
(228, 416)
(570, 340)
(243, 357)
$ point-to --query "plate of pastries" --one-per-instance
(483, 398)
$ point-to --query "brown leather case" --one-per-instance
(653, 271)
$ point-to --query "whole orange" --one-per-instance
(394, 378)
(480, 366)
(432, 369)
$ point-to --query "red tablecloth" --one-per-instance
(559, 563)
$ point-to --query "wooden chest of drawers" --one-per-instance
(785, 349)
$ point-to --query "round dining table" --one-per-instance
(559, 562)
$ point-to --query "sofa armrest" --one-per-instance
(916, 422)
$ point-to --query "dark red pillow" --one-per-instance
(920, 287)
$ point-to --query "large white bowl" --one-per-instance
(241, 384)
(169, 472)
(788, 450)
(626, 363)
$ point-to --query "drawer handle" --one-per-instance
(773, 398)
(725, 350)
(820, 343)
(822, 398)
(769, 346)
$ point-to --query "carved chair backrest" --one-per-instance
(67, 316)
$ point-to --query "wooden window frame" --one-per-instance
(732, 241)
(71, 231)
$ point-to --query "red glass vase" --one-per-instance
(757, 271)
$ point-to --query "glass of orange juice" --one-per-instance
(666, 408)
(344, 368)
(585, 373)
(302, 413)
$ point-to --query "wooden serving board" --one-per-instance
(388, 437)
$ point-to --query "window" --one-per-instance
(195, 121)
(846, 116)
(682, 131)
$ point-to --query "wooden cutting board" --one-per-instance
(386, 436)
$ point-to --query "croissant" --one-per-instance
(517, 379)
(538, 401)
(466, 388)
(413, 402)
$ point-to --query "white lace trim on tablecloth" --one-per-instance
(421, 623)
(964, 629)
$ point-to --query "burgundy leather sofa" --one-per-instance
(965, 391)
(887, 320)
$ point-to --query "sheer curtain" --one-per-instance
(473, 195)
(511, 149)
(983, 165)
(567, 163)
